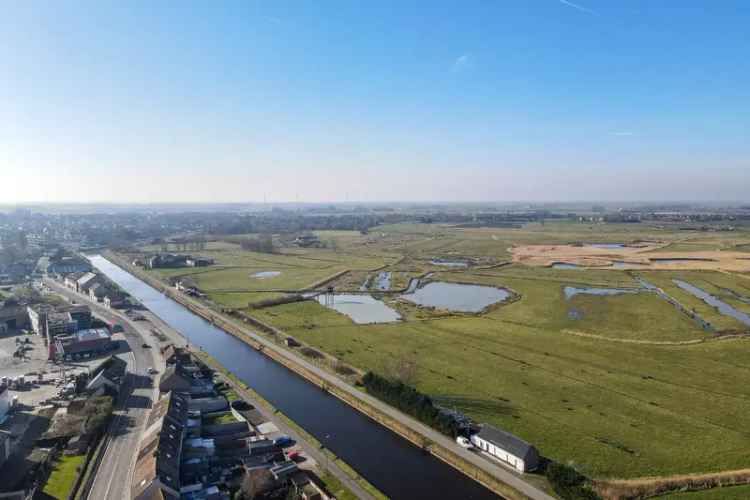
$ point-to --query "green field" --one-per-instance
(63, 476)
(627, 387)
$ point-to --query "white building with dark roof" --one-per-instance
(507, 448)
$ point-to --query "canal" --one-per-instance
(392, 464)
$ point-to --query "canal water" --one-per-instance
(392, 464)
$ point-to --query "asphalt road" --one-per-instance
(114, 476)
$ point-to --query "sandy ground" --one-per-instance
(630, 257)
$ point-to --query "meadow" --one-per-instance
(626, 387)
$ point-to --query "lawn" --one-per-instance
(63, 476)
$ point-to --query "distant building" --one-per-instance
(166, 260)
(108, 377)
(68, 264)
(507, 448)
(12, 316)
(307, 240)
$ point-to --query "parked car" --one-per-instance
(117, 328)
(145, 346)
(152, 370)
(464, 442)
(283, 441)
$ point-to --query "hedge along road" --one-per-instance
(392, 464)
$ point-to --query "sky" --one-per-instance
(496, 100)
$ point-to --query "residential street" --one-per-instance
(113, 478)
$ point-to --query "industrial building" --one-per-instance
(92, 342)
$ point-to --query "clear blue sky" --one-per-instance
(317, 101)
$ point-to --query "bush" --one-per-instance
(410, 401)
(568, 483)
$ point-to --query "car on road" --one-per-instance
(151, 370)
(117, 328)
(145, 346)
(464, 442)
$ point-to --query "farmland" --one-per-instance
(622, 386)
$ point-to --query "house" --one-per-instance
(5, 446)
(5, 401)
(507, 448)
(198, 262)
(71, 280)
(108, 377)
(98, 291)
(86, 281)
(157, 468)
(173, 380)
(12, 316)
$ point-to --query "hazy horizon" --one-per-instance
(438, 102)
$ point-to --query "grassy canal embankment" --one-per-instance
(354, 398)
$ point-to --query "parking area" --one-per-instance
(42, 379)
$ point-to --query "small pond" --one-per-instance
(607, 246)
(565, 265)
(571, 291)
(264, 275)
(456, 296)
(362, 309)
(709, 299)
(449, 263)
(383, 281)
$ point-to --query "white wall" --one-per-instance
(499, 453)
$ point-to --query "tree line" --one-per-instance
(411, 402)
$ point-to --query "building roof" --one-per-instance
(507, 441)
(92, 334)
(86, 279)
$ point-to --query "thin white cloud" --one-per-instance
(623, 133)
(577, 7)
(461, 62)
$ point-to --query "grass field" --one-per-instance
(727, 493)
(63, 476)
(613, 389)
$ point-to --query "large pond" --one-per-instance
(572, 291)
(392, 464)
(456, 297)
(709, 299)
(362, 309)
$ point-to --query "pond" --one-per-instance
(565, 265)
(264, 275)
(383, 281)
(456, 296)
(449, 263)
(621, 264)
(362, 309)
(709, 299)
(572, 291)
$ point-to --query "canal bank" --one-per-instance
(399, 469)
